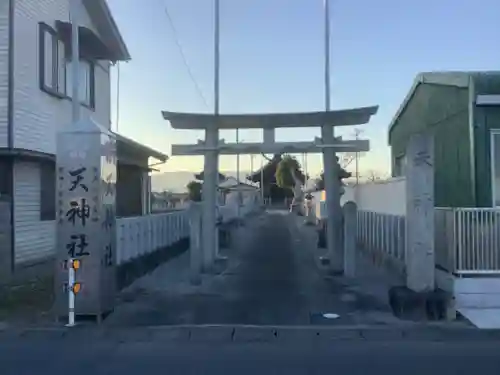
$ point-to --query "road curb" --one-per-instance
(248, 334)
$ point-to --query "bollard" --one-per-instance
(350, 229)
(71, 295)
(73, 288)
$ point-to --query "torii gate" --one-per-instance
(212, 147)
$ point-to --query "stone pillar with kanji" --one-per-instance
(86, 217)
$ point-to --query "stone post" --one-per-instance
(195, 249)
(350, 211)
(420, 263)
(85, 216)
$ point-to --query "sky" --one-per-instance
(272, 60)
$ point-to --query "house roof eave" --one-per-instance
(143, 148)
(100, 13)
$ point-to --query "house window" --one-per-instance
(55, 68)
(47, 191)
(400, 166)
(86, 70)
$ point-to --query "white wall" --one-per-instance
(4, 71)
(37, 114)
(387, 197)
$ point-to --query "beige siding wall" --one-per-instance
(34, 239)
(37, 118)
(38, 115)
(4, 71)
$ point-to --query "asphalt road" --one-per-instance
(272, 279)
(20, 357)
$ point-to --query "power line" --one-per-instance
(183, 56)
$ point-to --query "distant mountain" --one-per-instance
(176, 181)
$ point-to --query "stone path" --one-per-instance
(272, 279)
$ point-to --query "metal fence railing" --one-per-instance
(382, 233)
(467, 240)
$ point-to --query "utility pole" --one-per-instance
(262, 179)
(211, 177)
(238, 193)
(357, 132)
(75, 61)
(331, 166)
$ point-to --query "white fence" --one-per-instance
(467, 240)
(382, 233)
(140, 235)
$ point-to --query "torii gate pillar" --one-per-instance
(209, 194)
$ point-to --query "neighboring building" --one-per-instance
(462, 111)
(232, 190)
(167, 201)
(35, 102)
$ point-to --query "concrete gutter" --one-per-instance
(266, 334)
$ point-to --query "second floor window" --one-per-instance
(86, 75)
(55, 69)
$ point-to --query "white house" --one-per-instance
(35, 101)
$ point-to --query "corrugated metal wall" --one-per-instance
(485, 119)
(442, 110)
(4, 71)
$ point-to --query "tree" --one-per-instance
(283, 174)
(194, 191)
(342, 175)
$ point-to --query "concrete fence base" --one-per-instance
(140, 266)
(384, 261)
